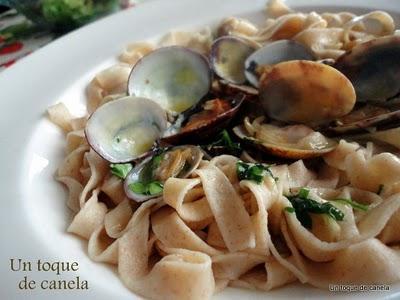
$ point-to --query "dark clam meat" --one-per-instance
(214, 115)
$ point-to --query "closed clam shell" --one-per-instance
(305, 92)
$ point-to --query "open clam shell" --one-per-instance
(228, 54)
(374, 69)
(124, 129)
(305, 92)
(214, 116)
(222, 87)
(274, 53)
(366, 119)
(292, 142)
(174, 77)
(146, 180)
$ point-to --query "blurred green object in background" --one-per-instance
(75, 12)
(62, 15)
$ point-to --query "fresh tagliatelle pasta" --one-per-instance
(328, 35)
(202, 179)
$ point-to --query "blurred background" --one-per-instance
(28, 25)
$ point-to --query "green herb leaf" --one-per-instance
(120, 170)
(289, 209)
(147, 173)
(156, 161)
(254, 172)
(72, 12)
(155, 188)
(138, 188)
(303, 206)
(150, 188)
(303, 193)
(353, 204)
(226, 142)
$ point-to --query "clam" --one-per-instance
(223, 87)
(125, 129)
(274, 53)
(374, 69)
(305, 92)
(228, 54)
(292, 142)
(365, 119)
(178, 79)
(214, 115)
(146, 180)
(174, 77)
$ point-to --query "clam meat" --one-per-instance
(213, 116)
(146, 180)
(292, 142)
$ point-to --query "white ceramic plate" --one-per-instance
(33, 215)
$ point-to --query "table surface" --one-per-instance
(19, 37)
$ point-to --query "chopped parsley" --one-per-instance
(289, 209)
(146, 185)
(225, 142)
(353, 204)
(156, 161)
(302, 205)
(150, 188)
(254, 172)
(120, 170)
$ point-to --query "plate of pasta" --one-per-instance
(236, 150)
